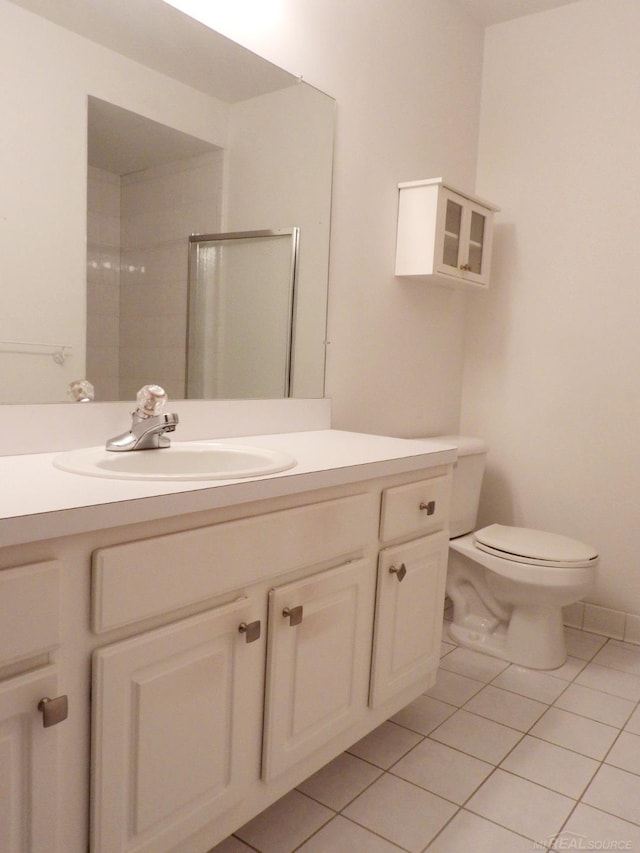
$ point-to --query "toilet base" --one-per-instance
(533, 637)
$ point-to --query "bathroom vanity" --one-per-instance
(206, 646)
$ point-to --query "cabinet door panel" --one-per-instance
(29, 772)
(408, 622)
(478, 242)
(171, 746)
(450, 233)
(317, 669)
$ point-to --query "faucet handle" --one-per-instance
(151, 400)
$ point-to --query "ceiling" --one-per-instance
(490, 12)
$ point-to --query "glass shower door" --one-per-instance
(240, 326)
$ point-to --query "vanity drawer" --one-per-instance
(29, 611)
(415, 509)
(138, 580)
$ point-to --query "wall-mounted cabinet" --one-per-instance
(443, 234)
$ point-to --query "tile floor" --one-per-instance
(493, 758)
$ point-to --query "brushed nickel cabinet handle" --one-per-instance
(293, 614)
(251, 630)
(399, 572)
(53, 711)
(429, 507)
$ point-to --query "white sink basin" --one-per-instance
(180, 461)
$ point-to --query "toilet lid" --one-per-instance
(534, 546)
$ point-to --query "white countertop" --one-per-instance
(38, 501)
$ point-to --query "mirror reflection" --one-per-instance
(162, 161)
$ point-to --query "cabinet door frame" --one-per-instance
(132, 688)
(468, 207)
(30, 770)
(409, 614)
(337, 605)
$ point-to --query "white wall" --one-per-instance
(553, 351)
(406, 77)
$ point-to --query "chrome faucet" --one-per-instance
(148, 425)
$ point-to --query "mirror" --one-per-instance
(192, 134)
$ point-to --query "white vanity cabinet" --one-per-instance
(30, 753)
(443, 234)
(178, 711)
(213, 657)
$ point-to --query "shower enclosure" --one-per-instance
(240, 327)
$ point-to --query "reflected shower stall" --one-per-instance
(240, 325)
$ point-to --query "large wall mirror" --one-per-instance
(133, 127)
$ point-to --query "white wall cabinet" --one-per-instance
(443, 234)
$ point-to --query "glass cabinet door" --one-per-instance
(452, 233)
(464, 238)
(476, 242)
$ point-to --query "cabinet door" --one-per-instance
(175, 716)
(464, 237)
(29, 770)
(450, 232)
(409, 608)
(319, 654)
(478, 232)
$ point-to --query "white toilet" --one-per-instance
(508, 585)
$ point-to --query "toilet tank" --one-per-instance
(467, 482)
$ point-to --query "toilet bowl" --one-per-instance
(508, 585)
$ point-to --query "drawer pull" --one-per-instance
(251, 630)
(54, 711)
(430, 507)
(399, 573)
(294, 614)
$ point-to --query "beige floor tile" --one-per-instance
(624, 684)
(582, 644)
(442, 770)
(615, 791)
(622, 656)
(633, 725)
(231, 845)
(285, 825)
(556, 768)
(625, 753)
(340, 781)
(569, 670)
(521, 806)
(400, 812)
(506, 707)
(531, 683)
(343, 836)
(473, 664)
(453, 688)
(597, 830)
(385, 745)
(424, 714)
(477, 736)
(468, 832)
(612, 710)
(588, 737)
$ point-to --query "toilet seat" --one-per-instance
(534, 547)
